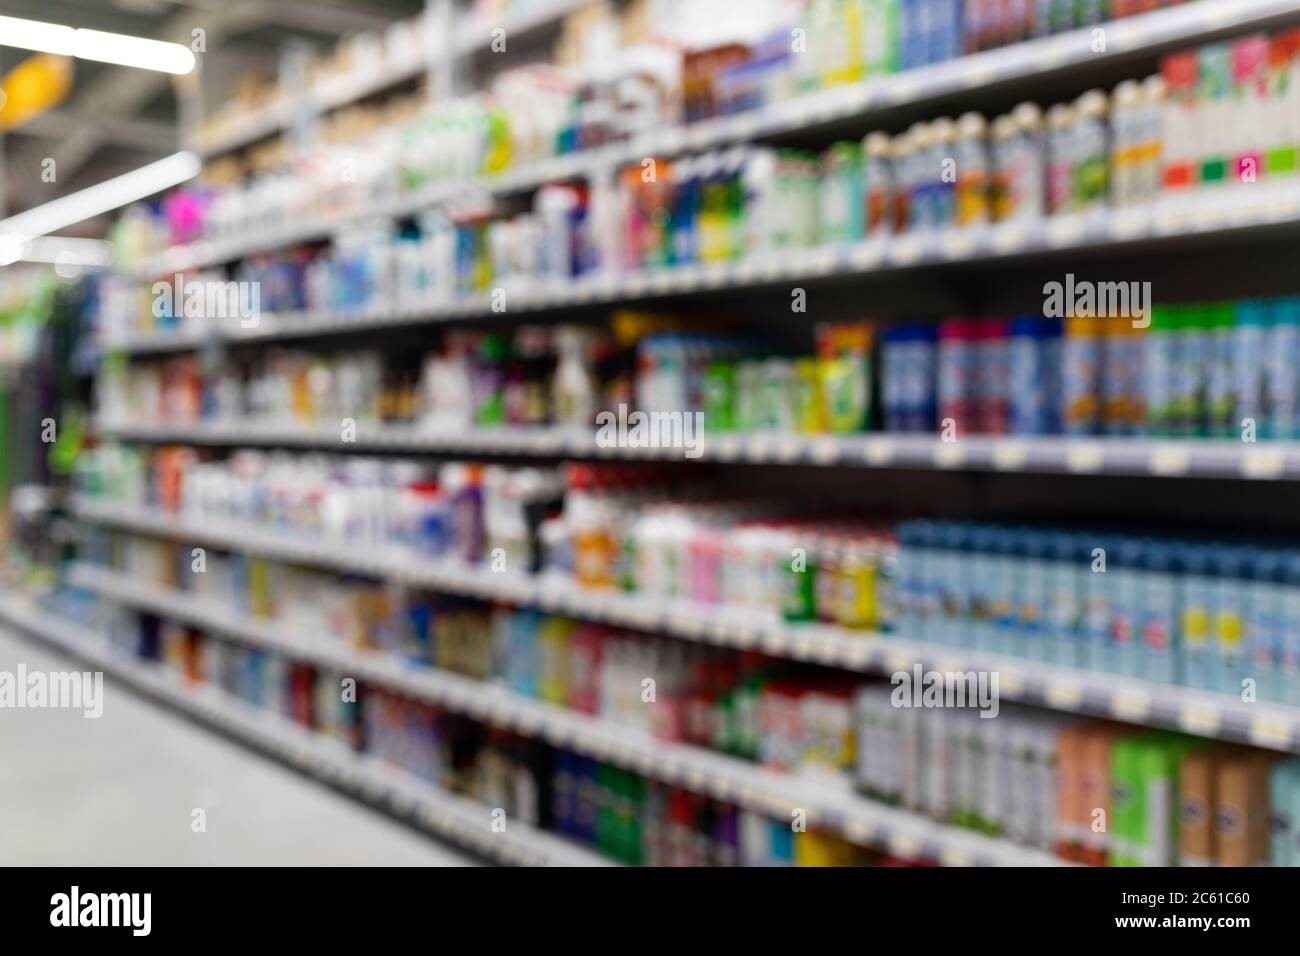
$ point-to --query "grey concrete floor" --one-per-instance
(120, 790)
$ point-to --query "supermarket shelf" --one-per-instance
(1157, 457)
(1238, 208)
(452, 817)
(828, 805)
(1023, 63)
(1207, 713)
(352, 87)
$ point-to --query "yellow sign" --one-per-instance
(32, 87)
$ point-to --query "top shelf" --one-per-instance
(344, 89)
(1023, 64)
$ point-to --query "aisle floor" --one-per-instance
(121, 790)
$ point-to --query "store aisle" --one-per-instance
(121, 790)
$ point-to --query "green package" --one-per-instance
(719, 392)
(1124, 827)
(798, 598)
(1221, 390)
(846, 392)
(1144, 799)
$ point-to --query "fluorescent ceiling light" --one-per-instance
(17, 231)
(57, 250)
(96, 45)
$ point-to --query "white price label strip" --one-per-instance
(906, 845)
(1170, 460)
(1064, 694)
(1199, 719)
(1010, 455)
(879, 451)
(1010, 237)
(956, 856)
(958, 244)
(825, 450)
(866, 255)
(949, 455)
(1012, 683)
(1263, 463)
(1085, 457)
(1270, 732)
(1130, 705)
(907, 250)
(1065, 232)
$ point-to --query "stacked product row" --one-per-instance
(631, 819)
(1098, 793)
(1208, 613)
(592, 95)
(1213, 614)
(1100, 362)
(1226, 113)
(1094, 792)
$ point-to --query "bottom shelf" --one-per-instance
(451, 817)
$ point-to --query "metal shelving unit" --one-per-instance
(1154, 457)
(1025, 64)
(345, 89)
(446, 815)
(1268, 211)
(1235, 210)
(828, 804)
(1056, 687)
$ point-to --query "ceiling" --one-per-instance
(118, 118)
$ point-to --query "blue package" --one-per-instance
(1034, 589)
(1231, 609)
(913, 30)
(1196, 600)
(1158, 618)
(1098, 599)
(1126, 568)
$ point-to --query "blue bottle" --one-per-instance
(1158, 619)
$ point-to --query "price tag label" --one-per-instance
(821, 261)
(958, 244)
(859, 831)
(1065, 695)
(906, 845)
(1199, 719)
(1263, 463)
(825, 450)
(949, 455)
(1085, 457)
(906, 250)
(866, 255)
(745, 127)
(1170, 460)
(1271, 732)
(1066, 231)
(759, 449)
(902, 90)
(788, 448)
(1010, 455)
(1009, 237)
(857, 653)
(879, 451)
(1012, 683)
(956, 856)
(1128, 224)
(777, 641)
(1130, 705)
(727, 448)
